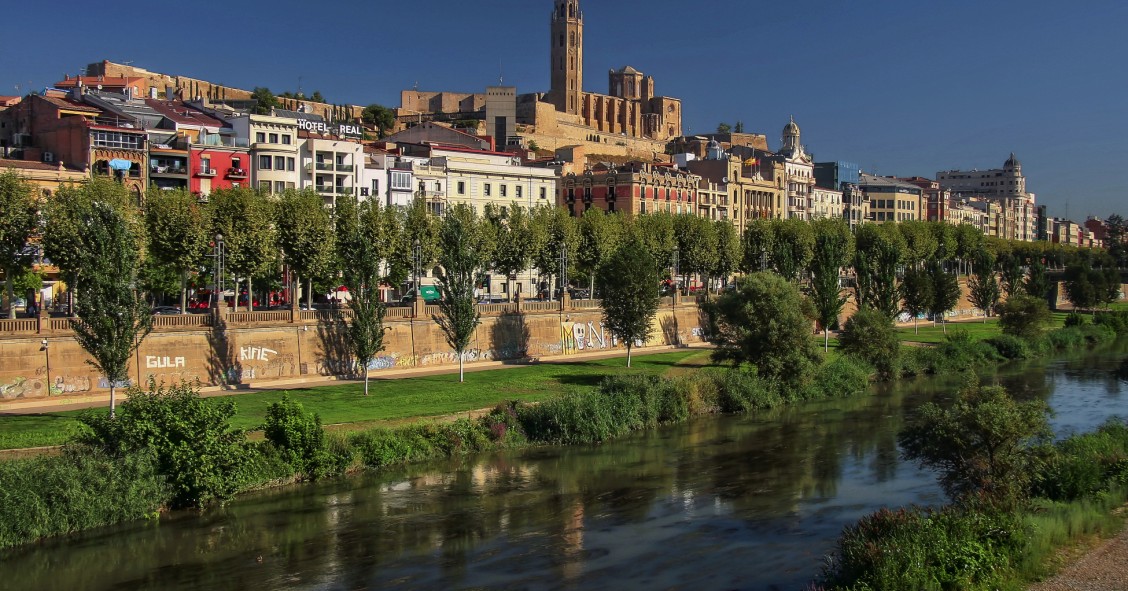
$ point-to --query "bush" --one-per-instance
(744, 391)
(80, 489)
(1117, 321)
(842, 378)
(192, 441)
(1010, 347)
(871, 337)
(1085, 465)
(1075, 319)
(1024, 316)
(924, 549)
(298, 437)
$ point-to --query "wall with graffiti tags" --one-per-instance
(239, 355)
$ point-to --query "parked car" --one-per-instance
(166, 310)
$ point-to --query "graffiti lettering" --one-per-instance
(153, 362)
(255, 353)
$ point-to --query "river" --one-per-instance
(718, 503)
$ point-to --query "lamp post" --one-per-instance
(674, 296)
(47, 363)
(218, 253)
(563, 271)
(676, 268)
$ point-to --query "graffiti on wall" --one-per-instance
(580, 336)
(154, 362)
(256, 353)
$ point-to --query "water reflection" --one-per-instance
(731, 503)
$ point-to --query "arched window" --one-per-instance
(571, 10)
(561, 39)
(572, 39)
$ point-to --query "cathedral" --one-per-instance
(630, 106)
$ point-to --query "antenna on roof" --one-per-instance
(500, 72)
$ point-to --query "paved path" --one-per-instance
(1103, 568)
(65, 403)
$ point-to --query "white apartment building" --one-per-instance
(826, 203)
(1005, 186)
(274, 149)
(331, 166)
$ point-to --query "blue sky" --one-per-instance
(901, 87)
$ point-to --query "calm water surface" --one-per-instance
(720, 503)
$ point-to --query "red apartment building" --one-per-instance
(217, 160)
(633, 188)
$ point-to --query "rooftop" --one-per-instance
(182, 114)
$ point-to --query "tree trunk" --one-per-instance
(183, 292)
(113, 393)
(628, 354)
(826, 339)
(916, 328)
(461, 371)
(309, 292)
(250, 296)
(591, 287)
(11, 289)
(366, 380)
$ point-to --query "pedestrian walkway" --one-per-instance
(81, 401)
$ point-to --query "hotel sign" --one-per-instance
(338, 129)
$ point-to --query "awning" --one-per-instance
(119, 164)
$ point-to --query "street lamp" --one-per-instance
(218, 253)
(675, 268)
(417, 259)
(47, 360)
(563, 271)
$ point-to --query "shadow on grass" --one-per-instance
(568, 379)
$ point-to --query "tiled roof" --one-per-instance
(70, 105)
(182, 114)
(32, 165)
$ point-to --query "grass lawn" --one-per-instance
(390, 400)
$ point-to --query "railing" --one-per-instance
(585, 304)
(56, 324)
(167, 170)
(399, 312)
(432, 311)
(181, 320)
(205, 171)
(665, 302)
(324, 166)
(540, 306)
(495, 308)
(236, 173)
(344, 168)
(19, 325)
(218, 140)
(249, 317)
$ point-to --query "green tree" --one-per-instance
(178, 230)
(870, 336)
(739, 127)
(985, 447)
(1010, 272)
(379, 116)
(245, 219)
(728, 252)
(18, 224)
(878, 254)
(461, 264)
(793, 247)
(1024, 316)
(1087, 288)
(265, 101)
(561, 232)
(656, 231)
(724, 128)
(515, 243)
(762, 323)
(920, 242)
(1117, 239)
(757, 243)
(360, 234)
(630, 296)
(1037, 283)
(947, 241)
(305, 233)
(316, 97)
(983, 286)
(969, 241)
(420, 228)
(834, 248)
(917, 293)
(600, 236)
(697, 244)
(113, 318)
(945, 291)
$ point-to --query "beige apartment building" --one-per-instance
(891, 200)
(1005, 186)
(274, 149)
(331, 166)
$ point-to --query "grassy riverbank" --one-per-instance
(390, 400)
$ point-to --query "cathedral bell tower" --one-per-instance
(567, 59)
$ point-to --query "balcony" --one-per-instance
(324, 166)
(344, 167)
(332, 190)
(168, 171)
(206, 172)
(236, 173)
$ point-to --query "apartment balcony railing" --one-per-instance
(324, 166)
(208, 172)
(223, 141)
(345, 168)
(168, 170)
(332, 190)
(236, 173)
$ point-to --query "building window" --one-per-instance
(290, 164)
(264, 186)
(264, 162)
(113, 139)
(375, 187)
(401, 181)
(487, 190)
(260, 137)
(279, 163)
(286, 139)
(279, 186)
(504, 190)
(274, 138)
(236, 163)
(461, 187)
(205, 163)
(518, 194)
(543, 193)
